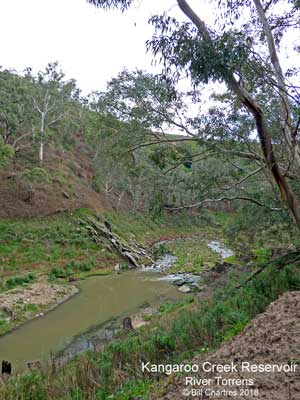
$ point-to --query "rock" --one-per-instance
(39, 314)
(184, 289)
(127, 324)
(130, 258)
(193, 278)
(195, 287)
(219, 248)
(6, 367)
(179, 282)
(34, 365)
(107, 225)
(221, 267)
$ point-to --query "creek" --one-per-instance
(101, 302)
(95, 313)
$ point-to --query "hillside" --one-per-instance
(64, 182)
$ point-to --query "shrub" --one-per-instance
(7, 154)
(20, 280)
(36, 174)
(69, 269)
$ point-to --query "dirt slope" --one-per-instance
(273, 337)
(62, 183)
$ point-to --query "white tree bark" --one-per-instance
(41, 152)
(43, 111)
(42, 138)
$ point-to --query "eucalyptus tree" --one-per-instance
(154, 108)
(241, 50)
(15, 110)
(53, 99)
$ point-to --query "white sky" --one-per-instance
(90, 44)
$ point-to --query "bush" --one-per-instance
(7, 154)
(69, 269)
(36, 174)
(20, 280)
(79, 266)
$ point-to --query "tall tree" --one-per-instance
(225, 53)
(15, 110)
(51, 98)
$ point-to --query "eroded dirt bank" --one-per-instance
(273, 337)
(22, 304)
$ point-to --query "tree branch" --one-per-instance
(224, 198)
(206, 154)
(187, 139)
(244, 179)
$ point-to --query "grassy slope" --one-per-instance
(41, 244)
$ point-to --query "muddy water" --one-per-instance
(100, 299)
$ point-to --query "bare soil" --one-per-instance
(41, 294)
(273, 337)
(70, 185)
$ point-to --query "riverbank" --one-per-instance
(224, 305)
(21, 304)
(112, 295)
(178, 332)
(56, 251)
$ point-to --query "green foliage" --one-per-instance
(171, 306)
(105, 365)
(193, 254)
(79, 266)
(20, 280)
(262, 255)
(160, 249)
(124, 266)
(7, 154)
(15, 107)
(57, 242)
(29, 307)
(36, 174)
(33, 387)
(133, 389)
(69, 269)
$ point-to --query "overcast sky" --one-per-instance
(90, 44)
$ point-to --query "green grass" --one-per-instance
(47, 243)
(171, 306)
(69, 269)
(20, 280)
(193, 255)
(29, 307)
